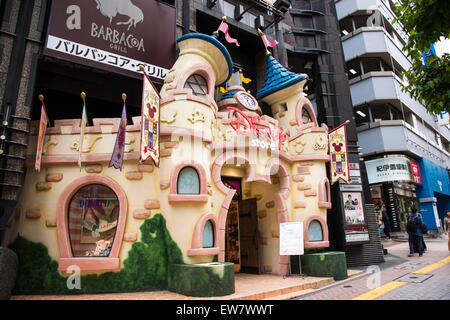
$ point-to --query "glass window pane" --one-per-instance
(208, 235)
(188, 181)
(362, 115)
(380, 112)
(197, 84)
(315, 231)
(93, 216)
(306, 117)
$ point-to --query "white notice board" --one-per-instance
(291, 238)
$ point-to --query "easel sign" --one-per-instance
(291, 239)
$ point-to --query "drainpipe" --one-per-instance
(185, 16)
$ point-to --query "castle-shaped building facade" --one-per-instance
(227, 178)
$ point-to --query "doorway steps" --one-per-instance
(274, 287)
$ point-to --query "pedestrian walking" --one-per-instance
(387, 224)
(447, 227)
(415, 237)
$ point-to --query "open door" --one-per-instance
(248, 235)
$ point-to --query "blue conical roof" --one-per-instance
(278, 78)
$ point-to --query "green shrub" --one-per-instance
(145, 268)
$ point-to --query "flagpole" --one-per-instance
(268, 53)
(82, 127)
(216, 33)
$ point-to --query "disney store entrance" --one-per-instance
(241, 236)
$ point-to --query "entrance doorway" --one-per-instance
(241, 236)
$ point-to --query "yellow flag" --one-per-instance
(244, 79)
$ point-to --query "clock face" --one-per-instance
(246, 100)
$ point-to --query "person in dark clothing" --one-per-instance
(387, 224)
(415, 237)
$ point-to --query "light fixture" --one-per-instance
(344, 32)
(361, 113)
(352, 71)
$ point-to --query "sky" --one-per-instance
(442, 46)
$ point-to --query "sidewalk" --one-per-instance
(397, 264)
(273, 287)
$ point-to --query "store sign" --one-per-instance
(291, 238)
(115, 35)
(415, 171)
(444, 118)
(388, 169)
(245, 125)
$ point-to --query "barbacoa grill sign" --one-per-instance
(117, 35)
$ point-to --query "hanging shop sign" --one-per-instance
(115, 35)
(246, 125)
(388, 169)
(339, 154)
(291, 238)
(415, 171)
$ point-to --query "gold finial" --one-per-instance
(347, 121)
(124, 97)
(41, 98)
(224, 18)
(141, 67)
(83, 95)
(268, 53)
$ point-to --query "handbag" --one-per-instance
(423, 228)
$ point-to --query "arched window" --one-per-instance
(208, 235)
(324, 194)
(315, 232)
(188, 181)
(93, 215)
(197, 84)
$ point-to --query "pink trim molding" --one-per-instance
(315, 244)
(174, 197)
(324, 186)
(197, 238)
(89, 264)
(280, 198)
(304, 103)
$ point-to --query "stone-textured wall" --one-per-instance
(21, 105)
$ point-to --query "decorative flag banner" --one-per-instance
(42, 128)
(150, 122)
(267, 42)
(224, 28)
(339, 154)
(244, 79)
(119, 148)
(82, 128)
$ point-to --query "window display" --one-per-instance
(93, 216)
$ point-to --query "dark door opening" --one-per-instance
(241, 237)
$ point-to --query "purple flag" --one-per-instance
(119, 148)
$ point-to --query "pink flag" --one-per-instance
(224, 28)
(119, 148)
(269, 43)
(42, 128)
